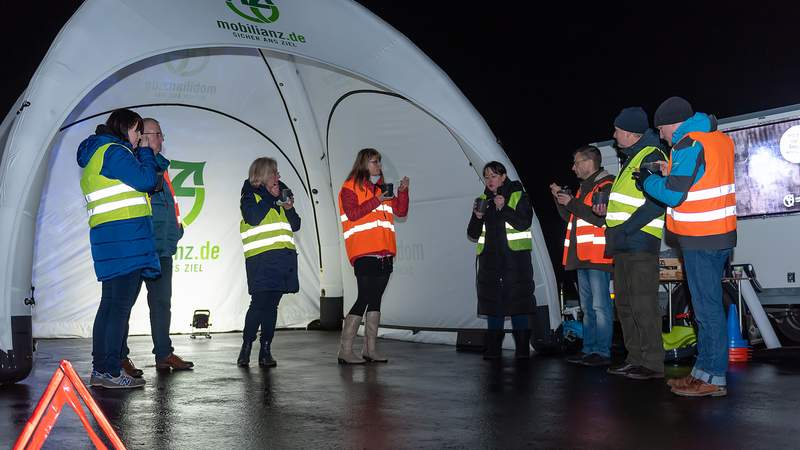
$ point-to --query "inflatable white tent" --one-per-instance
(308, 82)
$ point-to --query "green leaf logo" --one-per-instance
(263, 11)
(185, 170)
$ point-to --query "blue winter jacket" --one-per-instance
(167, 231)
(688, 166)
(122, 246)
(274, 270)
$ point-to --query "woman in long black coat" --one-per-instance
(505, 272)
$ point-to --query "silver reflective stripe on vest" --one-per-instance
(384, 208)
(705, 194)
(119, 204)
(626, 199)
(623, 216)
(368, 226)
(267, 242)
(266, 228)
(512, 234)
(707, 216)
(108, 192)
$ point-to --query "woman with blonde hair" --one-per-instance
(269, 221)
(367, 207)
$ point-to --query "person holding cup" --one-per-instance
(501, 224)
(367, 206)
(584, 252)
(269, 221)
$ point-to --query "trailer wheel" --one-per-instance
(789, 325)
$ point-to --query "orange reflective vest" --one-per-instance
(710, 205)
(590, 240)
(372, 234)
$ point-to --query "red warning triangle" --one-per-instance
(65, 387)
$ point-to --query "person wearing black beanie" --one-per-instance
(699, 188)
(634, 224)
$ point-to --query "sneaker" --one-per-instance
(96, 378)
(576, 358)
(123, 381)
(620, 369)
(699, 388)
(595, 360)
(130, 369)
(173, 362)
(643, 373)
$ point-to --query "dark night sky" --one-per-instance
(549, 80)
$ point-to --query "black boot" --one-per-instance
(522, 342)
(494, 344)
(265, 356)
(244, 355)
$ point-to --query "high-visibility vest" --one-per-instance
(371, 234)
(109, 199)
(174, 200)
(710, 205)
(272, 233)
(517, 240)
(590, 240)
(625, 198)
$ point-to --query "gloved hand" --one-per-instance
(640, 176)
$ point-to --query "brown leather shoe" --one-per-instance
(173, 362)
(681, 382)
(130, 369)
(699, 388)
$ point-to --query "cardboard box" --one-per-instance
(670, 269)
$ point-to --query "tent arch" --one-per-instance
(89, 52)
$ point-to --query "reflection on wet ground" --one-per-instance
(427, 396)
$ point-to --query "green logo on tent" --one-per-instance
(263, 11)
(186, 169)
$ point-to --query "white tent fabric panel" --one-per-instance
(215, 101)
(433, 283)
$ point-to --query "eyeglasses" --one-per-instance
(163, 136)
(579, 161)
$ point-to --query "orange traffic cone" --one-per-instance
(62, 389)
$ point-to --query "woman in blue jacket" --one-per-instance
(115, 180)
(267, 228)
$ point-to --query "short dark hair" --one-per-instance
(590, 152)
(496, 167)
(122, 120)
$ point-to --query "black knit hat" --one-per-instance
(672, 110)
(632, 119)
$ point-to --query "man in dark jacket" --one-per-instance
(635, 226)
(167, 231)
(584, 252)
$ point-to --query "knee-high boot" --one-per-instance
(494, 344)
(349, 330)
(522, 342)
(370, 352)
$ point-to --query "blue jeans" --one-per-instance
(598, 312)
(111, 322)
(704, 270)
(518, 322)
(263, 312)
(159, 297)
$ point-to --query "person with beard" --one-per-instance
(267, 228)
(635, 224)
(584, 252)
(505, 271)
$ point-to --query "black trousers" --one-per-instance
(372, 276)
(636, 301)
